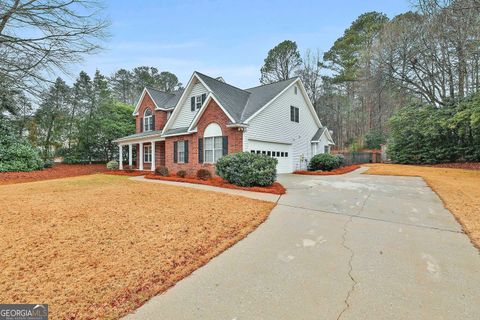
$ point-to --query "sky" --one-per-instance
(220, 38)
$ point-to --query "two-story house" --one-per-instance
(193, 128)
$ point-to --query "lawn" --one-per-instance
(99, 246)
(458, 188)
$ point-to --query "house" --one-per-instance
(192, 128)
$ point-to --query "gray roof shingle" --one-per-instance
(139, 135)
(239, 103)
(165, 100)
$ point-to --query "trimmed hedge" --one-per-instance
(325, 162)
(247, 169)
(161, 171)
(204, 174)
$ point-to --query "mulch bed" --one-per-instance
(275, 188)
(341, 170)
(458, 165)
(56, 172)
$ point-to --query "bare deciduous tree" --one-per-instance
(41, 37)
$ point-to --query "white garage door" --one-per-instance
(281, 152)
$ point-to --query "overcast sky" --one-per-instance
(221, 38)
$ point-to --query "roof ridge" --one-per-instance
(226, 83)
(152, 88)
(267, 84)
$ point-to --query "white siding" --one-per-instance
(185, 114)
(273, 125)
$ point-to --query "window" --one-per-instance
(181, 151)
(213, 143)
(198, 102)
(286, 154)
(147, 153)
(295, 89)
(294, 114)
(327, 149)
(147, 120)
(213, 149)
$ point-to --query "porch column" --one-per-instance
(140, 163)
(152, 166)
(120, 157)
(130, 155)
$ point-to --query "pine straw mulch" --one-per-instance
(97, 247)
(459, 165)
(275, 188)
(341, 170)
(459, 190)
(56, 172)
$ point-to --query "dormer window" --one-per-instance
(148, 120)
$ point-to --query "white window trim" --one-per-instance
(147, 154)
(147, 123)
(213, 149)
(198, 102)
(180, 150)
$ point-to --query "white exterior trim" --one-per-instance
(204, 107)
(137, 106)
(185, 94)
(305, 95)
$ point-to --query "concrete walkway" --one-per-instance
(338, 247)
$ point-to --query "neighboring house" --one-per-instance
(193, 128)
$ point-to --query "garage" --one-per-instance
(280, 151)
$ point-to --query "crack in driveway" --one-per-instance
(352, 255)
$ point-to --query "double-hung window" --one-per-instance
(181, 151)
(294, 114)
(213, 149)
(147, 153)
(148, 120)
(198, 102)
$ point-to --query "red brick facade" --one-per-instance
(164, 149)
(213, 114)
(160, 116)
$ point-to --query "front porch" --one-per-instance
(143, 151)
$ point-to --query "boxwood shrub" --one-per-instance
(324, 162)
(112, 165)
(247, 169)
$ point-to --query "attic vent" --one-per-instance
(220, 79)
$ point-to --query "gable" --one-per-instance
(184, 115)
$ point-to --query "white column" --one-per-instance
(140, 153)
(130, 160)
(120, 157)
(152, 167)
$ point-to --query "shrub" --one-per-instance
(324, 162)
(204, 174)
(374, 138)
(341, 159)
(247, 169)
(181, 173)
(112, 165)
(129, 168)
(19, 156)
(161, 171)
(48, 164)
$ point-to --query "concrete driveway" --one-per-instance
(338, 247)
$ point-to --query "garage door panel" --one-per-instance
(281, 152)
